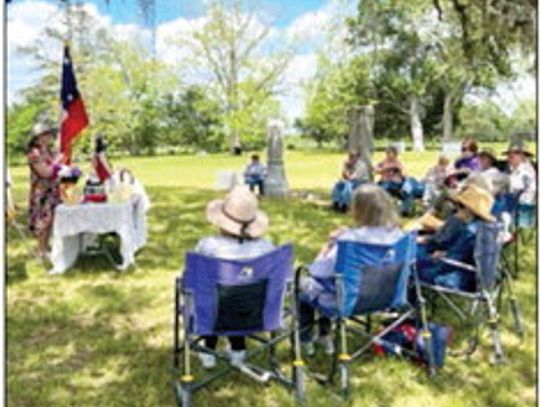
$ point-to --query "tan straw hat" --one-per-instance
(238, 214)
(477, 200)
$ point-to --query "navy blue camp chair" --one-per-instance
(370, 280)
(232, 298)
(523, 227)
(480, 306)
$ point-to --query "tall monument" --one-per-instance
(361, 121)
(275, 184)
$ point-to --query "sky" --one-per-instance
(306, 19)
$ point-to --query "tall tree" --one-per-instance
(402, 57)
(235, 51)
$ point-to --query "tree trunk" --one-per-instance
(417, 129)
(448, 118)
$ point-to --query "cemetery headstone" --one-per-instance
(275, 183)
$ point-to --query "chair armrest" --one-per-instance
(458, 264)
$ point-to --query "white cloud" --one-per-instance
(26, 21)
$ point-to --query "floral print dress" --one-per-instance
(44, 192)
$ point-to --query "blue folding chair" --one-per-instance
(370, 280)
(482, 305)
(523, 220)
(217, 297)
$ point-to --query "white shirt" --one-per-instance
(230, 248)
(324, 265)
(523, 178)
(255, 169)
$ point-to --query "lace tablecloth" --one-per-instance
(127, 219)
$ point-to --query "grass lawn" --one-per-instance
(95, 337)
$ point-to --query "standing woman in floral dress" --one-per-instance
(44, 165)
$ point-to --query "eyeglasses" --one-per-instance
(464, 149)
(460, 206)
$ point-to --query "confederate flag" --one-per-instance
(74, 118)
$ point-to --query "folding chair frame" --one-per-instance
(487, 301)
(185, 346)
(344, 357)
(518, 233)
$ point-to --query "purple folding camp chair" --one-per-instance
(235, 298)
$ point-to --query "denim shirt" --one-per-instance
(456, 238)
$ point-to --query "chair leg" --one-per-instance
(514, 306)
(298, 365)
(344, 358)
(518, 320)
(426, 332)
(176, 325)
(493, 323)
(186, 381)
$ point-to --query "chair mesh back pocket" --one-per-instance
(240, 307)
(377, 287)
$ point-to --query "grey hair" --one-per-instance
(373, 206)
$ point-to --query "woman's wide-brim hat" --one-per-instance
(477, 200)
(518, 147)
(43, 127)
(238, 214)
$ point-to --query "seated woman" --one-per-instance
(354, 173)
(455, 240)
(394, 181)
(434, 180)
(469, 160)
(255, 174)
(375, 221)
(391, 171)
(241, 227)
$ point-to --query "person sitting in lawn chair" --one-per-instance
(375, 222)
(241, 227)
(394, 181)
(354, 173)
(469, 160)
(434, 180)
(455, 240)
(255, 174)
(522, 182)
(391, 171)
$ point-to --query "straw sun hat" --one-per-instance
(238, 214)
(518, 147)
(477, 200)
(43, 127)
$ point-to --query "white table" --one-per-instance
(127, 219)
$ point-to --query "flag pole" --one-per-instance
(67, 39)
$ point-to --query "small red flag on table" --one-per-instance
(74, 118)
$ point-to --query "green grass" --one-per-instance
(95, 337)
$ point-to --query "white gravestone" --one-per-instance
(275, 183)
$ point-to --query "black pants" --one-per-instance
(237, 342)
(256, 183)
(307, 318)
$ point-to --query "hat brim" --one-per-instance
(215, 215)
(483, 215)
(527, 153)
(50, 131)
